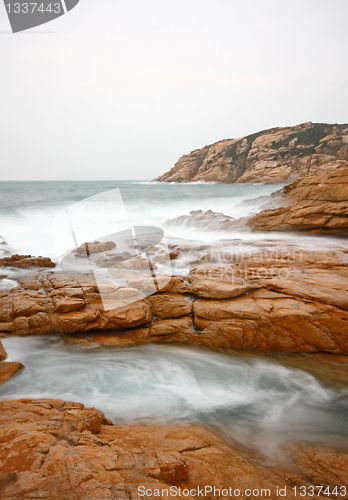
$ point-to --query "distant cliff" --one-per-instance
(271, 156)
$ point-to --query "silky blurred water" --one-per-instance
(258, 402)
(28, 208)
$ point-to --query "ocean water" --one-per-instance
(258, 402)
(28, 209)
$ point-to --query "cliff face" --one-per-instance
(270, 156)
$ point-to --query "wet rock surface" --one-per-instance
(278, 298)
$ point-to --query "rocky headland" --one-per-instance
(271, 156)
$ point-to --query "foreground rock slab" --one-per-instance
(60, 450)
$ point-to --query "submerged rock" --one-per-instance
(95, 247)
(208, 220)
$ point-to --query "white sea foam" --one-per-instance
(249, 399)
(27, 211)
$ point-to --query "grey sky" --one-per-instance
(120, 89)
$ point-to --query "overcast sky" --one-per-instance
(121, 89)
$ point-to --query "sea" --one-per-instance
(258, 400)
(28, 210)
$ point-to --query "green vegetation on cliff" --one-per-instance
(274, 155)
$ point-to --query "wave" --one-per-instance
(249, 399)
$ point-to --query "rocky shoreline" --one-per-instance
(283, 300)
(290, 301)
(262, 295)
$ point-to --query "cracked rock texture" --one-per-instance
(281, 299)
(315, 204)
(270, 156)
(56, 450)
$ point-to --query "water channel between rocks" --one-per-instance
(260, 401)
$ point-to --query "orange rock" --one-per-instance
(57, 450)
(214, 289)
(277, 155)
(115, 339)
(324, 466)
(271, 299)
(3, 353)
(95, 247)
(26, 261)
(176, 284)
(67, 304)
(132, 315)
(315, 204)
(28, 303)
(270, 321)
(9, 369)
(77, 320)
(170, 305)
(173, 330)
